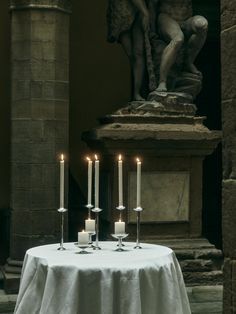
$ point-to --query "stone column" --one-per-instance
(228, 48)
(39, 124)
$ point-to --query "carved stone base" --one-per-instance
(11, 276)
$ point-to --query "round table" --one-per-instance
(141, 281)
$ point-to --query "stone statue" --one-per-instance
(128, 24)
(175, 24)
(162, 39)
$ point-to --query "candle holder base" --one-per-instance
(120, 237)
(83, 249)
(91, 246)
(61, 248)
(137, 246)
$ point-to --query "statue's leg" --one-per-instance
(138, 59)
(196, 28)
(171, 32)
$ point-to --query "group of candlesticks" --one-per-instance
(92, 225)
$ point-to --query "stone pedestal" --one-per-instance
(39, 125)
(172, 143)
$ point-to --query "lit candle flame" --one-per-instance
(82, 230)
(119, 220)
(138, 160)
(96, 157)
(88, 158)
(62, 157)
(120, 157)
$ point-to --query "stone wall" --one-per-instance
(228, 48)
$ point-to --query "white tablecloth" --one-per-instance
(143, 281)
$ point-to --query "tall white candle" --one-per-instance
(90, 164)
(138, 183)
(119, 227)
(120, 180)
(62, 181)
(96, 183)
(83, 238)
(90, 225)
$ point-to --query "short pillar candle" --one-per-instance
(83, 238)
(119, 227)
(90, 225)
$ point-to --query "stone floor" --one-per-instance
(203, 300)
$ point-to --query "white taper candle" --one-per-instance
(96, 183)
(62, 181)
(120, 180)
(90, 164)
(138, 183)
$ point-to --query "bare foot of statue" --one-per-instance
(190, 67)
(138, 97)
(162, 87)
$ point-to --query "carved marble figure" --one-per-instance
(175, 24)
(128, 24)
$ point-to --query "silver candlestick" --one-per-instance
(96, 210)
(89, 206)
(62, 212)
(138, 213)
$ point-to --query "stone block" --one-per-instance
(42, 109)
(36, 89)
(19, 220)
(43, 30)
(203, 278)
(41, 50)
(228, 60)
(43, 199)
(55, 129)
(21, 69)
(49, 89)
(229, 117)
(44, 176)
(228, 14)
(21, 50)
(62, 110)
(201, 294)
(20, 199)
(21, 173)
(61, 90)
(20, 244)
(21, 129)
(197, 265)
(206, 308)
(33, 151)
(20, 89)
(21, 109)
(44, 223)
(61, 70)
(229, 218)
(21, 26)
(229, 286)
(42, 70)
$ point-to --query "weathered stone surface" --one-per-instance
(228, 48)
(229, 218)
(203, 278)
(228, 14)
(64, 5)
(40, 101)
